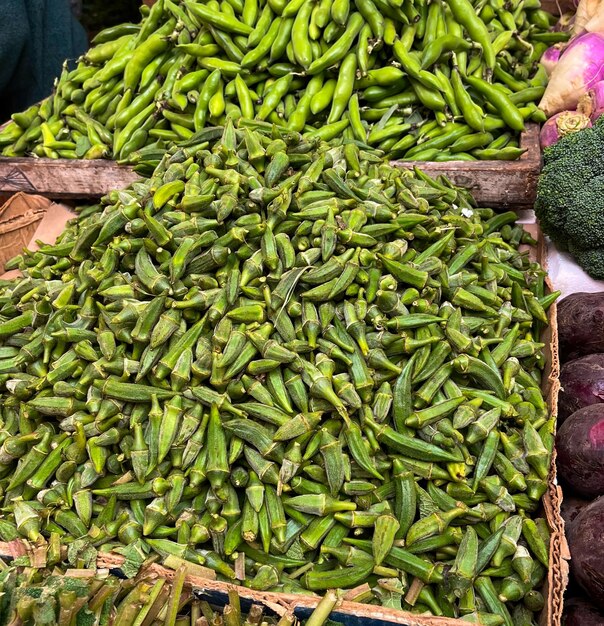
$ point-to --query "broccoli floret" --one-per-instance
(592, 261)
(585, 218)
(588, 139)
(558, 181)
(570, 194)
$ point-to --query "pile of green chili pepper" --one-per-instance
(294, 364)
(421, 80)
(56, 595)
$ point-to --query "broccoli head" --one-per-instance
(585, 217)
(570, 196)
(592, 261)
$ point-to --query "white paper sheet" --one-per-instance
(567, 276)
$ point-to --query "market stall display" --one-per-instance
(422, 81)
(286, 360)
(497, 184)
(293, 364)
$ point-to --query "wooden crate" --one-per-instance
(558, 7)
(500, 184)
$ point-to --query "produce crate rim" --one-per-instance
(528, 160)
(505, 184)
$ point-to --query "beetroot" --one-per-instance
(582, 382)
(578, 612)
(571, 507)
(586, 543)
(580, 447)
(581, 325)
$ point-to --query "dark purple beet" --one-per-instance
(580, 451)
(581, 325)
(586, 543)
(582, 382)
(571, 507)
(578, 612)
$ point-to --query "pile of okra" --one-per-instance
(419, 79)
(294, 364)
(56, 595)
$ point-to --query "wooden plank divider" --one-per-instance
(63, 179)
(499, 184)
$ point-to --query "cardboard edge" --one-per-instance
(559, 555)
(21, 210)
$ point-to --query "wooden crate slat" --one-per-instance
(498, 184)
(63, 178)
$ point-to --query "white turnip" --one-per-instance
(592, 103)
(562, 124)
(550, 58)
(585, 12)
(580, 67)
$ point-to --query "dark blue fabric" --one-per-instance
(36, 36)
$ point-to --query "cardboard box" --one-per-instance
(19, 219)
(557, 579)
(25, 220)
(354, 613)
